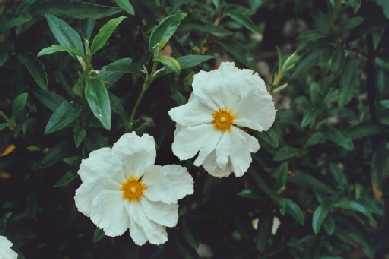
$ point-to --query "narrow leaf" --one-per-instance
(105, 33)
(319, 216)
(36, 69)
(97, 97)
(242, 20)
(190, 61)
(62, 117)
(65, 34)
(162, 33)
(170, 63)
(126, 6)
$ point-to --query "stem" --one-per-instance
(146, 84)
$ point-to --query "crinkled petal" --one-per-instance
(161, 213)
(236, 145)
(188, 141)
(135, 152)
(136, 232)
(108, 213)
(256, 111)
(103, 203)
(87, 192)
(192, 113)
(213, 168)
(155, 233)
(100, 163)
(226, 86)
(5, 249)
(167, 183)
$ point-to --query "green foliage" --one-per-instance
(322, 168)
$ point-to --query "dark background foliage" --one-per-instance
(321, 169)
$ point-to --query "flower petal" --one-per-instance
(103, 203)
(213, 168)
(100, 163)
(5, 249)
(136, 153)
(236, 145)
(87, 191)
(109, 214)
(188, 141)
(136, 232)
(256, 111)
(192, 113)
(161, 213)
(155, 233)
(167, 183)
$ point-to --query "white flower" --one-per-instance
(5, 249)
(276, 224)
(224, 102)
(122, 189)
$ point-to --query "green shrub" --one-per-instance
(77, 75)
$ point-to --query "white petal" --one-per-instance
(161, 213)
(103, 203)
(188, 141)
(87, 192)
(108, 213)
(213, 168)
(155, 233)
(5, 249)
(136, 232)
(136, 153)
(100, 163)
(192, 113)
(226, 86)
(256, 111)
(236, 145)
(167, 183)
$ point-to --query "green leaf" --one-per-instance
(79, 134)
(319, 216)
(170, 63)
(49, 99)
(98, 235)
(7, 23)
(294, 210)
(348, 82)
(352, 205)
(340, 139)
(54, 49)
(36, 69)
(190, 61)
(19, 103)
(67, 178)
(286, 152)
(385, 6)
(65, 34)
(105, 33)
(115, 70)
(250, 194)
(62, 117)
(97, 97)
(77, 10)
(281, 174)
(242, 20)
(162, 33)
(126, 6)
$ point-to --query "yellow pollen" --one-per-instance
(132, 189)
(223, 119)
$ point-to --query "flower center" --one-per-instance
(223, 119)
(133, 189)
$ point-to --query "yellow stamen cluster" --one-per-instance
(133, 189)
(223, 119)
